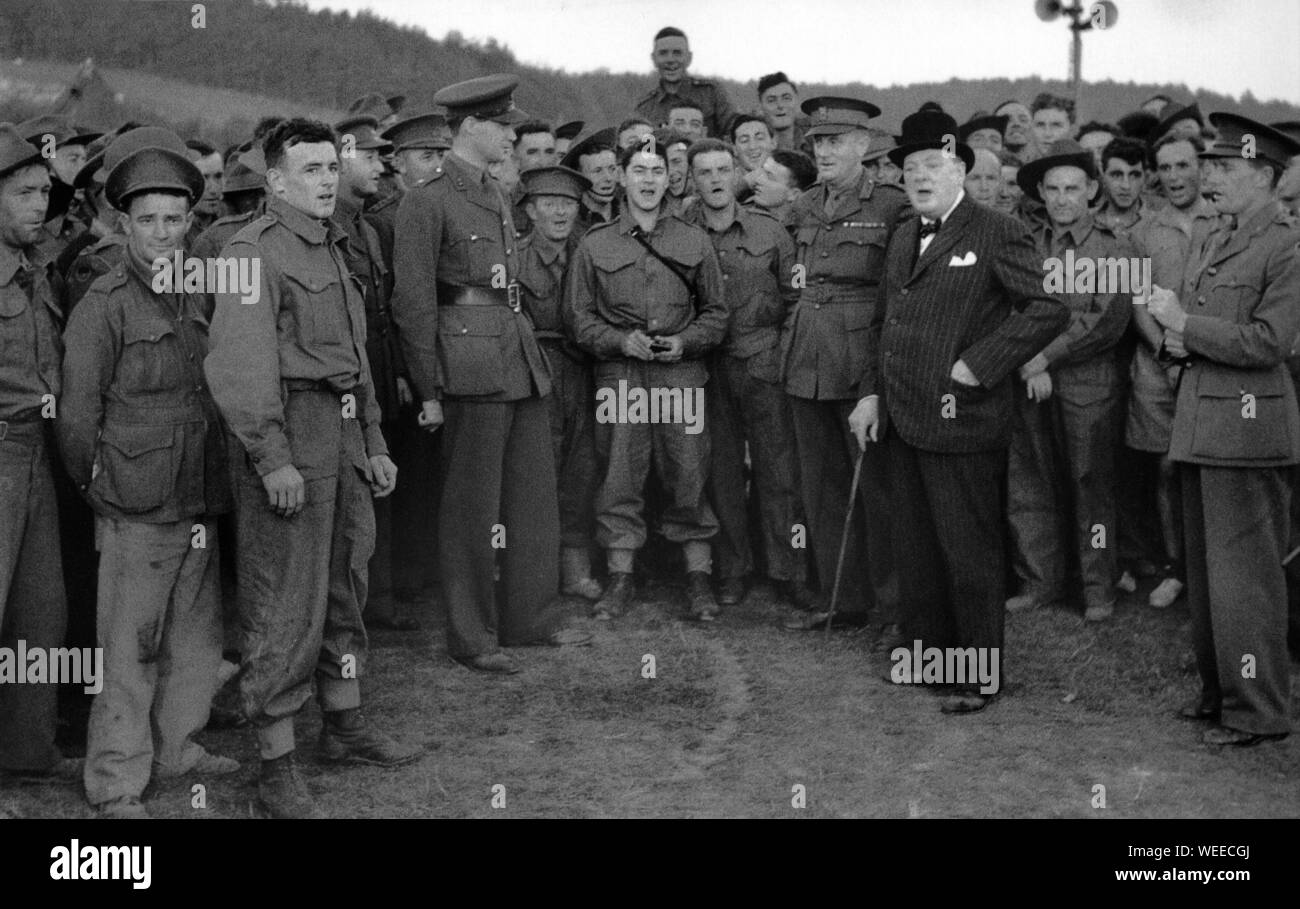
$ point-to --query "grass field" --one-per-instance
(741, 712)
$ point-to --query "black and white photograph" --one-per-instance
(649, 409)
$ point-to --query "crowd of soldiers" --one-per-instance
(734, 329)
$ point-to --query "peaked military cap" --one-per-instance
(365, 133)
(554, 181)
(484, 98)
(829, 116)
(1270, 144)
(881, 144)
(930, 128)
(152, 169)
(1062, 153)
(1288, 128)
(419, 131)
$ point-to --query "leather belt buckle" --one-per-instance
(514, 296)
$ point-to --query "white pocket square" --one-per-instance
(962, 261)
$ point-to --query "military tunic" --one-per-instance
(469, 344)
(840, 258)
(32, 603)
(747, 406)
(142, 439)
(1061, 463)
(542, 265)
(290, 376)
(709, 97)
(614, 287)
(1236, 433)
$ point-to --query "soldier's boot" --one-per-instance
(281, 793)
(617, 597)
(700, 595)
(797, 593)
(575, 574)
(346, 738)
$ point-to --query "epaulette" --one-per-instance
(701, 83)
(109, 281)
(890, 188)
(254, 229)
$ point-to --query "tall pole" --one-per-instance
(1076, 61)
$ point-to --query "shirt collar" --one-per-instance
(461, 168)
(547, 250)
(304, 225)
(10, 261)
(961, 194)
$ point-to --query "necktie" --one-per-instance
(930, 228)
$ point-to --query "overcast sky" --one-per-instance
(1223, 45)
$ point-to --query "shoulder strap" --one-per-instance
(638, 235)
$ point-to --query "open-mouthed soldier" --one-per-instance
(289, 372)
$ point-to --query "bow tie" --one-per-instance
(931, 228)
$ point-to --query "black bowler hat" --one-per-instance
(484, 98)
(830, 116)
(1271, 145)
(1063, 153)
(419, 131)
(153, 169)
(983, 121)
(930, 128)
(600, 140)
(554, 181)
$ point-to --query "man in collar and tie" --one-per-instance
(1236, 432)
(475, 363)
(962, 307)
(1068, 403)
(841, 227)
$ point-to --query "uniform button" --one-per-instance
(1212, 270)
(903, 292)
(826, 255)
(726, 277)
(893, 321)
(817, 306)
(830, 226)
(821, 280)
(1200, 300)
(464, 331)
(509, 250)
(888, 354)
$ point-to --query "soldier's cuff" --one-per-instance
(375, 444)
(270, 456)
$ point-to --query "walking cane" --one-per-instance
(1290, 555)
(844, 540)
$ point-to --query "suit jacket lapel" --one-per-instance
(944, 240)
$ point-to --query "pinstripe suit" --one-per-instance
(946, 443)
